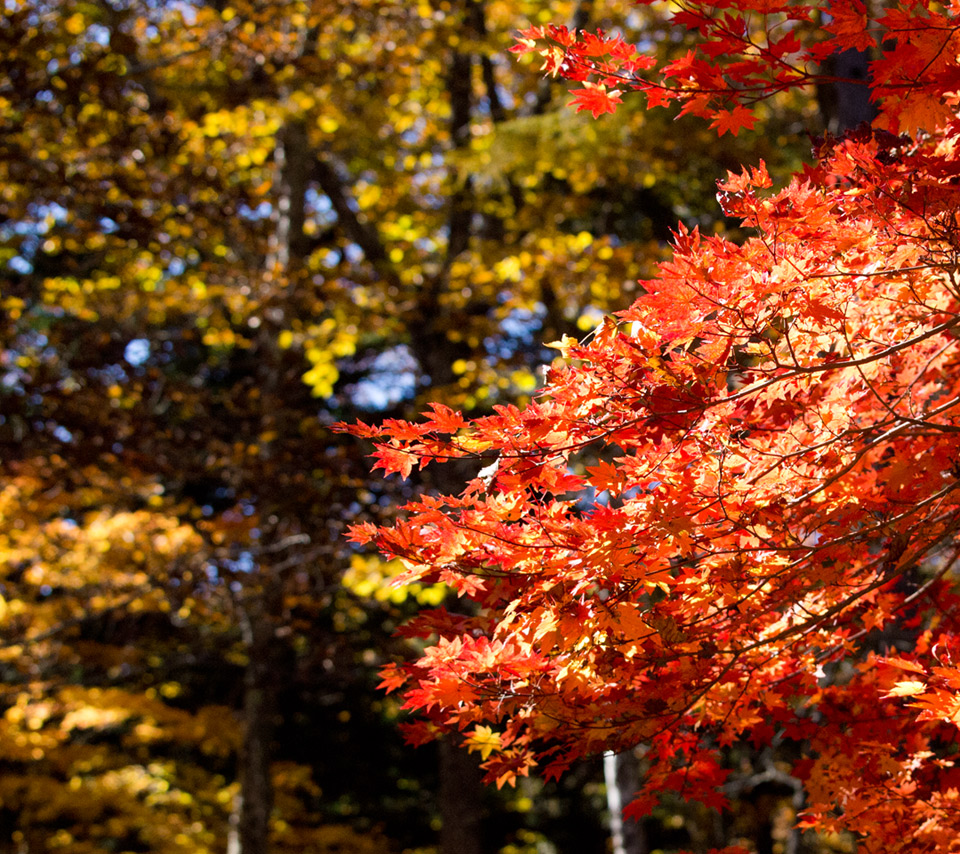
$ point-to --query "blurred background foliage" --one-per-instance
(224, 226)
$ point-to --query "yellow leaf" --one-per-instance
(75, 24)
(484, 740)
(907, 688)
(563, 345)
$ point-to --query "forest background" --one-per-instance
(225, 226)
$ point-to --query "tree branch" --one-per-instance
(360, 232)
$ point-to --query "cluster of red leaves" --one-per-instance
(753, 49)
(740, 488)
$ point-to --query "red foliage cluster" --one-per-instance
(733, 513)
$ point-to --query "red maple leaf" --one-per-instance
(734, 120)
(597, 99)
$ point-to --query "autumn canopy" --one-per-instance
(732, 514)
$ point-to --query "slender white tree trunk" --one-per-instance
(620, 773)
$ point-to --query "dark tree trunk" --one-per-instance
(845, 102)
(293, 163)
(461, 792)
(262, 607)
(250, 833)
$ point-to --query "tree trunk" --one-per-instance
(461, 792)
(293, 162)
(845, 103)
(622, 778)
(250, 831)
(262, 611)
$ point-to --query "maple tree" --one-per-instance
(224, 225)
(732, 514)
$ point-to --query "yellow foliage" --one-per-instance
(484, 741)
(370, 577)
(75, 24)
